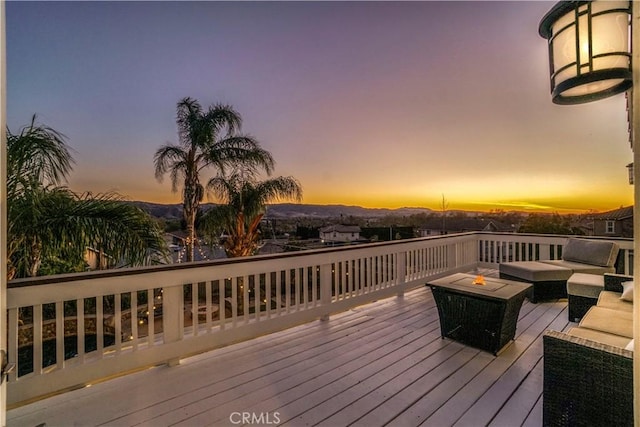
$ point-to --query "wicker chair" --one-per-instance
(586, 383)
(613, 282)
(578, 305)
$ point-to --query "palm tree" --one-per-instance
(37, 156)
(56, 223)
(205, 139)
(245, 201)
(49, 224)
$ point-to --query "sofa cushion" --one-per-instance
(601, 337)
(593, 252)
(627, 291)
(585, 285)
(608, 299)
(578, 267)
(609, 320)
(534, 271)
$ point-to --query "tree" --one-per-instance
(444, 206)
(50, 227)
(245, 201)
(548, 224)
(205, 139)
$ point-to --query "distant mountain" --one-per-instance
(289, 210)
(158, 210)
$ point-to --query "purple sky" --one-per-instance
(377, 104)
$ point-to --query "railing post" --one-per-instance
(171, 317)
(544, 252)
(325, 290)
(401, 273)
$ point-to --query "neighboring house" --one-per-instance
(96, 260)
(340, 233)
(583, 225)
(615, 223)
(175, 238)
(437, 227)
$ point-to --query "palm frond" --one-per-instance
(54, 222)
(224, 117)
(279, 188)
(167, 158)
(240, 150)
(37, 153)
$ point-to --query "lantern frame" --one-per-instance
(583, 72)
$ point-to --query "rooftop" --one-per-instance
(622, 213)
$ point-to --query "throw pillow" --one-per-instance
(627, 291)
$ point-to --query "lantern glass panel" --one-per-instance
(563, 21)
(564, 49)
(611, 34)
(583, 39)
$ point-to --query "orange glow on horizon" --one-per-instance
(575, 202)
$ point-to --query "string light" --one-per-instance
(183, 252)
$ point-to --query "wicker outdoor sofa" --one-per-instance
(588, 371)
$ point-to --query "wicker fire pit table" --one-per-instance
(480, 315)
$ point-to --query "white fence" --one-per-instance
(71, 330)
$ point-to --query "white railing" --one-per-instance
(70, 330)
(496, 248)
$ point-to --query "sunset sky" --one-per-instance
(378, 104)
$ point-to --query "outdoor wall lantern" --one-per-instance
(589, 49)
(630, 170)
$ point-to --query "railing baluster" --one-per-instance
(351, 277)
(257, 297)
(234, 301)
(118, 321)
(37, 339)
(195, 308)
(298, 289)
(287, 290)
(222, 295)
(348, 279)
(59, 334)
(209, 304)
(13, 322)
(305, 286)
(134, 320)
(362, 275)
(99, 327)
(355, 290)
(80, 328)
(151, 319)
(280, 289)
(267, 293)
(245, 299)
(369, 275)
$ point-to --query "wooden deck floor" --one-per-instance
(379, 364)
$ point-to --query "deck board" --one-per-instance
(382, 363)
